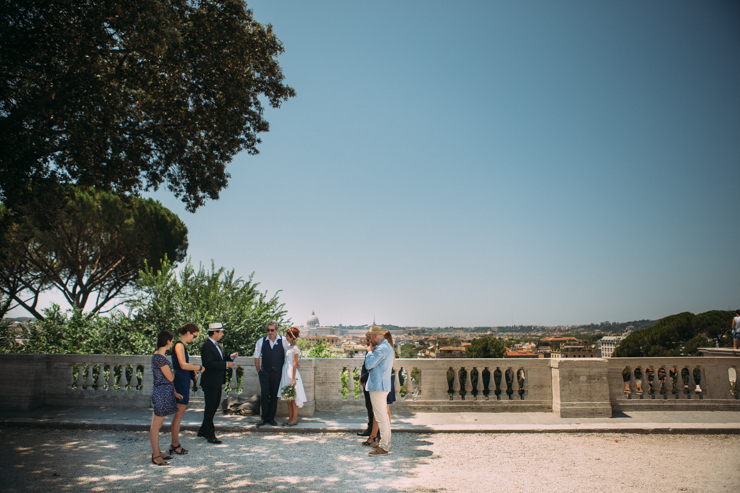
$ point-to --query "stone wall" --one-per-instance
(592, 387)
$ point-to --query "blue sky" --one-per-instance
(483, 163)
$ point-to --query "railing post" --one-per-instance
(468, 383)
(397, 385)
(480, 387)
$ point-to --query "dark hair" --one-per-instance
(191, 327)
(737, 312)
(294, 332)
(163, 338)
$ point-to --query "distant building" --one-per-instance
(313, 321)
(608, 344)
(576, 352)
(450, 352)
(520, 353)
(329, 338)
(559, 340)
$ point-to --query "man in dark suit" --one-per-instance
(215, 363)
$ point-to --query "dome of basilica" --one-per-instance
(313, 320)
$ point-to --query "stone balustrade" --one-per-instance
(568, 387)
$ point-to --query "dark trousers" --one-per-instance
(212, 396)
(270, 385)
(369, 407)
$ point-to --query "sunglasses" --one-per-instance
(271, 330)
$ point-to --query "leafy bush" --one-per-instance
(166, 301)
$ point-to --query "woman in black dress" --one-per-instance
(183, 372)
(163, 394)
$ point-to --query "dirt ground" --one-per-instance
(76, 460)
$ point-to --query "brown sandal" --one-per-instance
(163, 463)
(178, 449)
(370, 441)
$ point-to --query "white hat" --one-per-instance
(215, 326)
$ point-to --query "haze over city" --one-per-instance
(491, 163)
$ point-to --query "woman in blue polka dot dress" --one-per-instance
(163, 394)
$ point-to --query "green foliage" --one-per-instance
(75, 333)
(168, 300)
(345, 383)
(679, 334)
(486, 347)
(320, 350)
(692, 345)
(716, 325)
(408, 350)
(131, 95)
(92, 249)
(452, 341)
(8, 337)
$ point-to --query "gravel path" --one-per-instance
(78, 460)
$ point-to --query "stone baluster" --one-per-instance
(468, 386)
(234, 383)
(76, 381)
(455, 383)
(397, 385)
(112, 377)
(122, 377)
(409, 385)
(350, 383)
(99, 382)
(480, 387)
(656, 383)
(134, 380)
(89, 377)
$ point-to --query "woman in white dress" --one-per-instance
(291, 376)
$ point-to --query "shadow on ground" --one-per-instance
(81, 460)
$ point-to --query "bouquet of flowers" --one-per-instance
(288, 393)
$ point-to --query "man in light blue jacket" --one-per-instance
(379, 362)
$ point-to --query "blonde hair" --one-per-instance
(389, 337)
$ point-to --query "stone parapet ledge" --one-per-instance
(592, 387)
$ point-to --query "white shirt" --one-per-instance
(217, 347)
(258, 346)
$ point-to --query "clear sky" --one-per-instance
(482, 163)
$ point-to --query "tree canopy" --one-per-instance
(679, 334)
(94, 249)
(128, 95)
(486, 347)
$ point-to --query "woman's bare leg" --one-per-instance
(376, 428)
(175, 426)
(154, 433)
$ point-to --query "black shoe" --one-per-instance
(214, 440)
(201, 434)
(262, 422)
(365, 433)
(272, 422)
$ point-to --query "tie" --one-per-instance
(219, 349)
